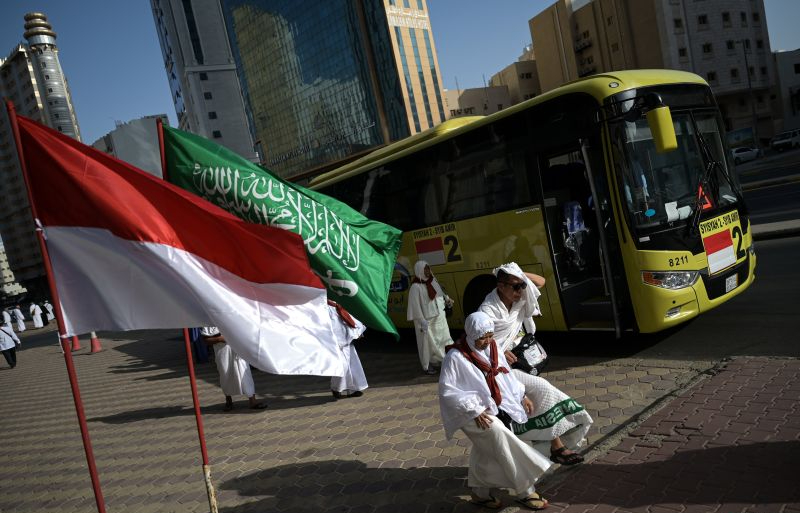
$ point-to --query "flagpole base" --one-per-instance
(95, 343)
(76, 344)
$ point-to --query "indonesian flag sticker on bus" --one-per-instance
(719, 250)
(431, 250)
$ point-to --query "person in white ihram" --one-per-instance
(7, 320)
(474, 386)
(235, 377)
(346, 330)
(49, 308)
(36, 315)
(20, 319)
(8, 345)
(426, 303)
(512, 304)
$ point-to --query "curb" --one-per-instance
(772, 181)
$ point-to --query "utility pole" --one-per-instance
(752, 96)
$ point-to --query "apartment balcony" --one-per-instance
(583, 44)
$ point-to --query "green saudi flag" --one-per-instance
(352, 255)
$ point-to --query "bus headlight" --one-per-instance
(670, 280)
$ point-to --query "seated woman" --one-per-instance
(474, 388)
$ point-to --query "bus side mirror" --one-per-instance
(659, 120)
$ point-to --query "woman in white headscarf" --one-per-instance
(475, 389)
(558, 423)
(426, 302)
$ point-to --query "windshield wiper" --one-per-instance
(708, 181)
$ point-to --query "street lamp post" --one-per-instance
(752, 96)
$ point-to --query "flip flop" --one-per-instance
(533, 501)
(558, 456)
(489, 502)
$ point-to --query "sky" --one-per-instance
(110, 52)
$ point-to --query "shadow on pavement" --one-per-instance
(336, 485)
(760, 473)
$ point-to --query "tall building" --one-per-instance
(324, 81)
(724, 41)
(787, 64)
(32, 78)
(476, 101)
(521, 78)
(201, 72)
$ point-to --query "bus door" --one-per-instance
(576, 242)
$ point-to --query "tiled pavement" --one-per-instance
(383, 452)
(729, 445)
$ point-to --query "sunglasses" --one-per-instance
(517, 287)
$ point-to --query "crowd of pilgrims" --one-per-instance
(519, 424)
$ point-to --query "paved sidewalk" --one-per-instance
(729, 445)
(384, 452)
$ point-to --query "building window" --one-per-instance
(216, 134)
(203, 76)
(212, 115)
(615, 47)
(734, 74)
(682, 52)
(499, 106)
(756, 18)
(760, 44)
(49, 89)
(797, 69)
(747, 44)
(708, 49)
(743, 17)
(207, 95)
(610, 20)
(751, 71)
(47, 77)
(726, 19)
(763, 71)
(711, 76)
(678, 23)
(730, 45)
(702, 21)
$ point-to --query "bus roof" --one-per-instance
(599, 86)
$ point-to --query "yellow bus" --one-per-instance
(617, 188)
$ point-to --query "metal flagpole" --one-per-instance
(198, 416)
(65, 340)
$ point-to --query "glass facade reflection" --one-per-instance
(321, 79)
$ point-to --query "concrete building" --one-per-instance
(787, 65)
(32, 78)
(202, 73)
(724, 41)
(521, 78)
(324, 82)
(135, 142)
(477, 101)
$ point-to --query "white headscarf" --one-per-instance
(477, 325)
(419, 272)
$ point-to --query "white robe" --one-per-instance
(431, 340)
(8, 339)
(353, 379)
(546, 398)
(20, 320)
(50, 314)
(36, 315)
(7, 320)
(498, 459)
(235, 377)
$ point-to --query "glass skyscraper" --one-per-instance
(323, 81)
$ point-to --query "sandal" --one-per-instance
(258, 406)
(489, 502)
(533, 501)
(558, 456)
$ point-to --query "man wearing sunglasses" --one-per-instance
(512, 306)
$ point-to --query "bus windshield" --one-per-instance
(661, 189)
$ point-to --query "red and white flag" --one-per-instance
(431, 250)
(719, 250)
(131, 251)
